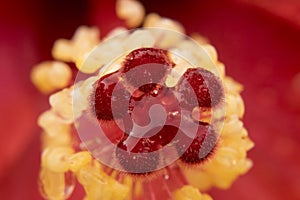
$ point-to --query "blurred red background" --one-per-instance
(258, 40)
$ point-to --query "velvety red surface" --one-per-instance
(260, 47)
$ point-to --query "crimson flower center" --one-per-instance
(152, 113)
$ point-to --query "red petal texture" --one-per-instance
(288, 10)
(257, 40)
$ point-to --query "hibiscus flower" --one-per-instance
(258, 41)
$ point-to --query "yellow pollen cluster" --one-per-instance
(131, 11)
(190, 193)
(76, 49)
(49, 76)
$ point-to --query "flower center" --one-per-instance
(155, 117)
